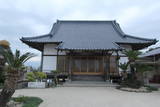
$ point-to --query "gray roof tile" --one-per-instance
(151, 53)
(87, 35)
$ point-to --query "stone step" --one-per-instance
(88, 84)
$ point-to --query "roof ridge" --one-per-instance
(41, 36)
(85, 20)
(118, 29)
(147, 39)
(54, 28)
(153, 49)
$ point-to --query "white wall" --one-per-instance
(50, 58)
(49, 49)
(49, 63)
(123, 58)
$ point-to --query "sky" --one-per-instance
(23, 18)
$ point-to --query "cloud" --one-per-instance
(35, 17)
(129, 14)
(35, 59)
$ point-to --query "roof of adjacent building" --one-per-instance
(87, 35)
(153, 52)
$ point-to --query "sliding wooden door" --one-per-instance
(87, 65)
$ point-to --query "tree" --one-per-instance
(141, 70)
(124, 67)
(131, 79)
(15, 64)
(40, 75)
(132, 55)
(5, 45)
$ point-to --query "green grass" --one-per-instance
(28, 101)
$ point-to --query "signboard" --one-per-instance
(36, 84)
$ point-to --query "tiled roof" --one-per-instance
(151, 53)
(87, 35)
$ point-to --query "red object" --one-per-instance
(155, 79)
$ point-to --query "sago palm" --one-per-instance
(123, 66)
(5, 45)
(15, 64)
(132, 55)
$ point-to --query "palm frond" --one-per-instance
(132, 54)
(123, 66)
(15, 60)
(25, 57)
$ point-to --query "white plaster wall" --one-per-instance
(61, 53)
(49, 49)
(49, 63)
(123, 58)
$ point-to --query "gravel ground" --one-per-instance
(91, 97)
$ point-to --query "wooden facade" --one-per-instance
(88, 67)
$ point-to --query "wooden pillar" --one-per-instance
(154, 63)
(57, 60)
(117, 62)
(70, 68)
(109, 66)
(41, 68)
(106, 61)
(104, 67)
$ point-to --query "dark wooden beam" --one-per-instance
(42, 53)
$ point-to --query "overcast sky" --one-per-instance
(35, 17)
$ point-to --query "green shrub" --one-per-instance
(131, 82)
(54, 71)
(40, 75)
(31, 76)
(151, 88)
